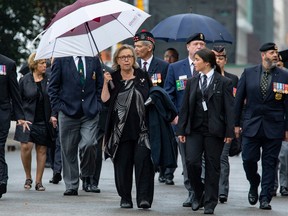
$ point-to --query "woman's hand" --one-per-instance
(175, 121)
(182, 139)
(53, 121)
(107, 77)
(228, 140)
(237, 131)
(24, 124)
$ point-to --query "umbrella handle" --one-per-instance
(112, 86)
(110, 82)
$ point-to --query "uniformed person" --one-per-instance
(265, 122)
(9, 93)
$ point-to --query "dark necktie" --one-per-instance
(194, 72)
(264, 83)
(81, 70)
(204, 84)
(144, 66)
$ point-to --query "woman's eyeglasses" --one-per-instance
(123, 58)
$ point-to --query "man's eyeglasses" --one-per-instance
(123, 58)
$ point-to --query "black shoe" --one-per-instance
(86, 186)
(71, 192)
(161, 179)
(265, 205)
(208, 211)
(222, 198)
(126, 204)
(144, 204)
(94, 189)
(283, 191)
(169, 182)
(195, 204)
(253, 195)
(56, 178)
(188, 201)
(198, 202)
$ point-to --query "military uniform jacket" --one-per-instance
(9, 89)
(270, 112)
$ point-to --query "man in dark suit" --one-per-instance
(144, 44)
(75, 99)
(265, 122)
(221, 60)
(9, 93)
(175, 84)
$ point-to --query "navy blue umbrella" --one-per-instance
(179, 27)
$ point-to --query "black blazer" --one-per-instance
(29, 95)
(271, 112)
(9, 89)
(220, 107)
(66, 92)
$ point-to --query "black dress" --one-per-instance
(37, 110)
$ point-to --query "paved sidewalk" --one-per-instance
(167, 199)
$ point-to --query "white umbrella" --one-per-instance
(87, 27)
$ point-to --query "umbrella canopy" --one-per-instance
(89, 26)
(179, 27)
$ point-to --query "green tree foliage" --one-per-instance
(21, 21)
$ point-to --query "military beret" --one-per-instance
(284, 55)
(268, 46)
(219, 48)
(144, 36)
(196, 36)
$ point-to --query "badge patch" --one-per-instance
(3, 70)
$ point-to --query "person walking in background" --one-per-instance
(126, 138)
(264, 122)
(175, 85)
(37, 110)
(166, 174)
(283, 155)
(9, 89)
(221, 60)
(55, 150)
(171, 55)
(75, 93)
(144, 44)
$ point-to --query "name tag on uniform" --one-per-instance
(204, 105)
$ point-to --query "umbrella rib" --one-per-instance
(122, 24)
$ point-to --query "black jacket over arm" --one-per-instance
(161, 135)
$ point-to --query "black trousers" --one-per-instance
(196, 145)
(130, 154)
(251, 153)
(4, 130)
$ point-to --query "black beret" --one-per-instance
(284, 55)
(268, 46)
(196, 36)
(218, 48)
(144, 36)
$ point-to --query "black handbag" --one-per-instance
(235, 148)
